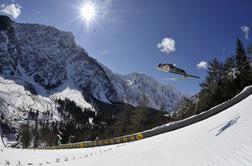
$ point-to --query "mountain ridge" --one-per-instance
(49, 59)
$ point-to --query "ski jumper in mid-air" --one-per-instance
(172, 69)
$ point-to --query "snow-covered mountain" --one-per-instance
(143, 88)
(49, 65)
(140, 89)
(50, 59)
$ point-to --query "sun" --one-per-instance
(88, 12)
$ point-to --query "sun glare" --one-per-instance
(88, 12)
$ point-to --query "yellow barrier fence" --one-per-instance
(88, 144)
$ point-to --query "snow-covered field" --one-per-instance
(224, 139)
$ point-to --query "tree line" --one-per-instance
(224, 80)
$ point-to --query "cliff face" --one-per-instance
(140, 89)
(49, 61)
(50, 58)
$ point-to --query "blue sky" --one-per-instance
(125, 33)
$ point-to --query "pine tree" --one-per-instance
(138, 117)
(137, 120)
(25, 135)
(214, 75)
(36, 135)
(243, 74)
(228, 90)
(186, 108)
(162, 107)
(249, 51)
(210, 94)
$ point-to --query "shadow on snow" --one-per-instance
(228, 125)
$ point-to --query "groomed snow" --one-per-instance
(224, 139)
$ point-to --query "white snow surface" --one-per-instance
(224, 140)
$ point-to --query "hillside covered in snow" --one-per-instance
(224, 139)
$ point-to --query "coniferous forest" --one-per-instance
(223, 81)
(77, 124)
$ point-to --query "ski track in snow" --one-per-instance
(222, 140)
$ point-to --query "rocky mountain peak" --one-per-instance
(49, 60)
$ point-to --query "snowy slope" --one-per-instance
(18, 100)
(224, 139)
